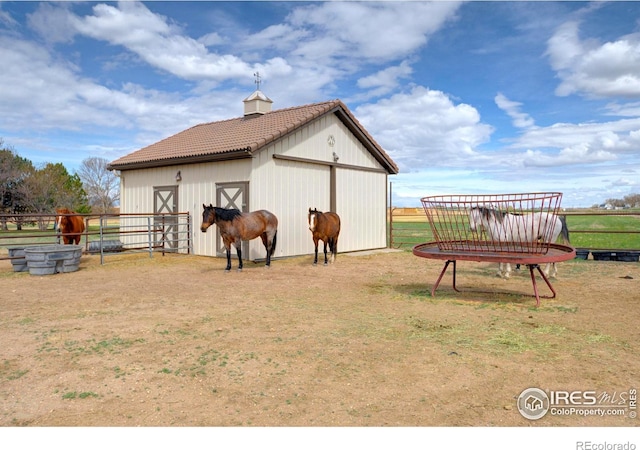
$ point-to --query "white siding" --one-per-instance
(290, 188)
(198, 186)
(311, 142)
(361, 205)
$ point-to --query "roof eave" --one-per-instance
(226, 156)
(351, 123)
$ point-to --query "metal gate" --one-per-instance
(165, 201)
(236, 196)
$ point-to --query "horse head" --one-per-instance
(61, 218)
(484, 217)
(475, 218)
(312, 218)
(208, 217)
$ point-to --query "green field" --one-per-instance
(586, 231)
(605, 232)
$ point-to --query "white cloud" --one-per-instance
(595, 141)
(629, 109)
(41, 93)
(385, 80)
(6, 19)
(593, 68)
(312, 42)
(211, 39)
(381, 31)
(425, 128)
(582, 153)
(52, 23)
(161, 44)
(520, 119)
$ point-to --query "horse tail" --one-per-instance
(565, 230)
(273, 242)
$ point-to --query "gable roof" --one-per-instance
(242, 137)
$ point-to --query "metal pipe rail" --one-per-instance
(149, 233)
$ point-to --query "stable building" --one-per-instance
(285, 161)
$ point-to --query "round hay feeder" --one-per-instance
(51, 259)
(518, 228)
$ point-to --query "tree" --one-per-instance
(14, 170)
(25, 189)
(52, 187)
(102, 185)
(633, 200)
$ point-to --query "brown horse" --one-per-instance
(324, 227)
(69, 225)
(236, 226)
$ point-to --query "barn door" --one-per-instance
(236, 196)
(165, 228)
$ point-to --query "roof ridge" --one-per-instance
(290, 108)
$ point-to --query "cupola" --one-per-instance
(257, 103)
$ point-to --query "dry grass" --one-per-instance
(176, 341)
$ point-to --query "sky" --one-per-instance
(466, 97)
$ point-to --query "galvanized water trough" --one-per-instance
(51, 259)
(18, 260)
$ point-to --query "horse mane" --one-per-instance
(488, 212)
(314, 211)
(226, 214)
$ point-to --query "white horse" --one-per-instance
(525, 228)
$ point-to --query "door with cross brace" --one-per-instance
(236, 196)
(165, 228)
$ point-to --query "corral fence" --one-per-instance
(105, 234)
(592, 231)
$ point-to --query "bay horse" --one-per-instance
(69, 225)
(526, 228)
(236, 226)
(324, 227)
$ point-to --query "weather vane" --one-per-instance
(257, 75)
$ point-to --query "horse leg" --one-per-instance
(268, 247)
(315, 258)
(507, 273)
(547, 269)
(504, 271)
(325, 253)
(228, 268)
(239, 252)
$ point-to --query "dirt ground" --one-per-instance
(176, 341)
